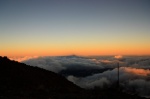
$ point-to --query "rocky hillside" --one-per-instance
(20, 80)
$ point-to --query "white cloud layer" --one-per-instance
(57, 64)
(134, 71)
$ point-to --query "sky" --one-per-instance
(80, 27)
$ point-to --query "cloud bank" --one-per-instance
(56, 64)
(22, 58)
(91, 72)
(132, 79)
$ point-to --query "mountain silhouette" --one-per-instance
(20, 81)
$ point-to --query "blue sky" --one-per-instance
(53, 27)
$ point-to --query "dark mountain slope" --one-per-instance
(22, 80)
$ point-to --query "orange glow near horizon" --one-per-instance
(76, 49)
(141, 72)
(69, 51)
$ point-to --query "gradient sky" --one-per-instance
(82, 27)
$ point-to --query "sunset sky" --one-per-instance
(80, 27)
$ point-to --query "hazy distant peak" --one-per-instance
(71, 56)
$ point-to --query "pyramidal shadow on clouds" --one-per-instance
(20, 81)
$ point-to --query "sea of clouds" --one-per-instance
(134, 71)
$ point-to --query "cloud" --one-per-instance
(58, 64)
(134, 71)
(118, 56)
(23, 58)
(140, 86)
(49, 63)
(88, 82)
(129, 77)
(88, 64)
(96, 80)
(142, 62)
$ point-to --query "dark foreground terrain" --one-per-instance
(20, 81)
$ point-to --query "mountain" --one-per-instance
(20, 81)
